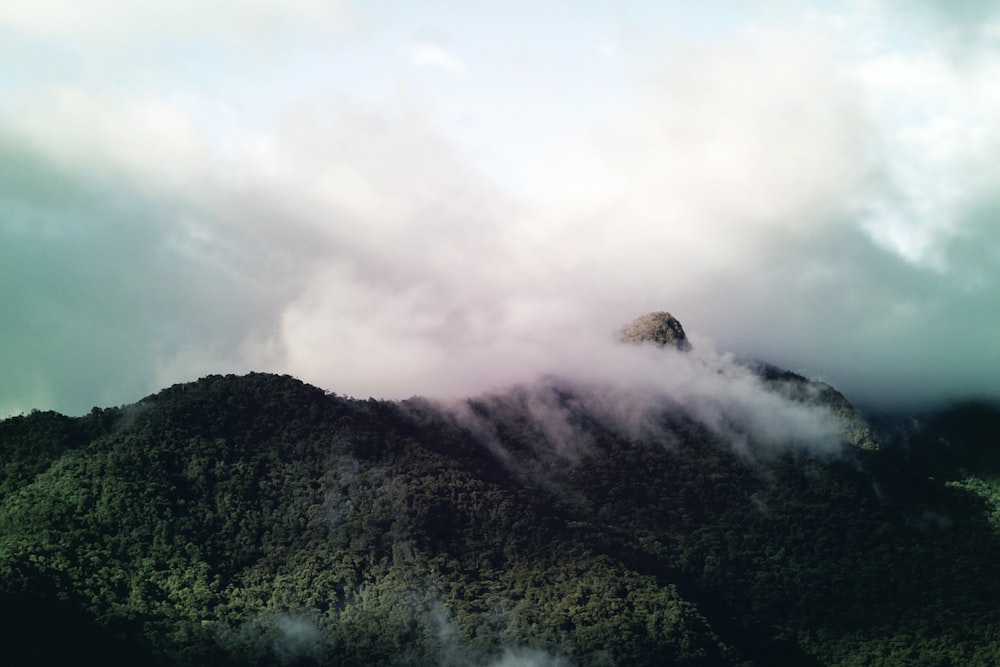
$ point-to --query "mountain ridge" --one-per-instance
(258, 520)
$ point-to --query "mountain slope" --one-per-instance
(256, 520)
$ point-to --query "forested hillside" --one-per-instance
(256, 520)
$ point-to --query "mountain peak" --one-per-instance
(658, 327)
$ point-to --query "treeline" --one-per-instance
(256, 520)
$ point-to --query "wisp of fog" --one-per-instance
(631, 388)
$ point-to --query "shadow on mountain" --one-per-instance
(44, 625)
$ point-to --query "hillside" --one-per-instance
(256, 520)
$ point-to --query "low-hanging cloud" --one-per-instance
(637, 391)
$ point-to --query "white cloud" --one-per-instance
(821, 207)
(151, 138)
(429, 54)
(940, 132)
(738, 148)
(634, 389)
(115, 23)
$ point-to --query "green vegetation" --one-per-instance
(256, 520)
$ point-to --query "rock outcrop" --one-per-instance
(664, 330)
(659, 327)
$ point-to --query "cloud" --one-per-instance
(285, 638)
(299, 638)
(735, 149)
(529, 658)
(791, 195)
(139, 143)
(452, 650)
(637, 392)
(959, 28)
(940, 154)
(115, 268)
(119, 24)
(429, 54)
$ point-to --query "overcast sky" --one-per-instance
(437, 198)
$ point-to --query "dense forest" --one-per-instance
(256, 520)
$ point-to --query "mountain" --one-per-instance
(256, 520)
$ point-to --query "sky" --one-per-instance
(440, 198)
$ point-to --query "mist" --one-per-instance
(637, 392)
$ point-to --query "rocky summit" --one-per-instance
(659, 327)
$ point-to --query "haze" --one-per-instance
(439, 198)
